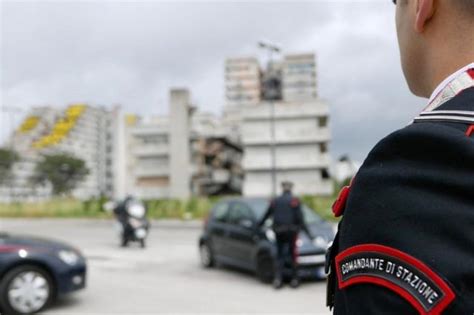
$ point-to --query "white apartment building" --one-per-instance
(37, 123)
(80, 130)
(243, 86)
(301, 130)
(242, 81)
(246, 84)
(148, 162)
(300, 144)
(90, 139)
(299, 77)
(185, 153)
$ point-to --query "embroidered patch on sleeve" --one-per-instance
(397, 271)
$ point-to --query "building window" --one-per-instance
(323, 121)
(325, 173)
(323, 147)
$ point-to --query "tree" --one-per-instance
(63, 171)
(7, 159)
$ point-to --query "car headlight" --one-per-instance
(69, 257)
(320, 242)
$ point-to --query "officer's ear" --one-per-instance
(425, 10)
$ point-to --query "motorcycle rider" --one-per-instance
(120, 210)
(288, 221)
(122, 214)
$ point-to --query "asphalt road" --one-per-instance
(165, 277)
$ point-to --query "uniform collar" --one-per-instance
(451, 86)
(459, 108)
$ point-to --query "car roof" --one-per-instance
(249, 200)
(246, 200)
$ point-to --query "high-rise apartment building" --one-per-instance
(300, 147)
(147, 159)
(299, 77)
(242, 81)
(286, 134)
(243, 86)
(80, 130)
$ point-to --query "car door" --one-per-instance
(218, 228)
(242, 236)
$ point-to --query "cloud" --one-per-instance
(131, 53)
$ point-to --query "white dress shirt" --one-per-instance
(452, 85)
(446, 81)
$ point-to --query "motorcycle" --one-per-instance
(132, 222)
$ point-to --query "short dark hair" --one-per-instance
(287, 185)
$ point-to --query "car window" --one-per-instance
(238, 212)
(259, 206)
(308, 214)
(219, 213)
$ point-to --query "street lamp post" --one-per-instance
(271, 49)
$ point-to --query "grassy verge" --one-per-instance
(60, 208)
(193, 208)
(321, 205)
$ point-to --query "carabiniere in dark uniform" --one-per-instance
(405, 243)
(288, 221)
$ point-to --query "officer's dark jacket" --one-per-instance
(286, 213)
(406, 241)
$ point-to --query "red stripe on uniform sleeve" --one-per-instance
(471, 73)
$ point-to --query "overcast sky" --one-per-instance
(132, 52)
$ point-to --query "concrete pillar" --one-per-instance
(180, 157)
(120, 155)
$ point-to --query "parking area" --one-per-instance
(163, 278)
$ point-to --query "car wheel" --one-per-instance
(206, 256)
(25, 290)
(265, 267)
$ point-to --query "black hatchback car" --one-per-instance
(33, 272)
(231, 237)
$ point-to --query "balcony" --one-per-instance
(151, 192)
(243, 72)
(285, 110)
(247, 92)
(150, 130)
(262, 162)
(150, 150)
(142, 171)
(262, 136)
(243, 84)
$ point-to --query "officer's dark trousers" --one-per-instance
(286, 252)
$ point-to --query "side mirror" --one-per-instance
(247, 223)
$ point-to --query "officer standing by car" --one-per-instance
(288, 221)
(406, 242)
